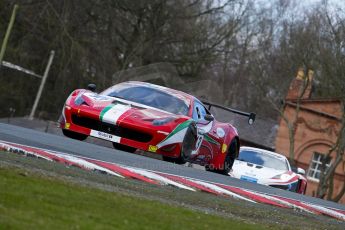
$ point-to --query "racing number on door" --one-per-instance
(198, 142)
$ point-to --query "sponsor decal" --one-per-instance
(153, 148)
(224, 148)
(220, 132)
(105, 136)
(249, 179)
(67, 125)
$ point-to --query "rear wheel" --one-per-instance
(74, 135)
(188, 144)
(229, 159)
(124, 147)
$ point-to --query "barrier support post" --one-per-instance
(7, 35)
(39, 93)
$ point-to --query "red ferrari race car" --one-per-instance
(139, 115)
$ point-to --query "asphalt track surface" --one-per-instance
(48, 141)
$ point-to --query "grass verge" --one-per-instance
(31, 202)
(39, 194)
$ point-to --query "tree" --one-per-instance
(326, 182)
(332, 62)
(94, 39)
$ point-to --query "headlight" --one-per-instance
(162, 121)
(282, 176)
(277, 176)
(79, 100)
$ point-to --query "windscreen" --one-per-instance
(260, 158)
(148, 96)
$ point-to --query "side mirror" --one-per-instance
(91, 87)
(208, 117)
(300, 171)
(251, 118)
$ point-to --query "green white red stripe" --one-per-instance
(111, 113)
(177, 135)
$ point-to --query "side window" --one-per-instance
(199, 111)
(314, 170)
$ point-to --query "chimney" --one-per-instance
(298, 85)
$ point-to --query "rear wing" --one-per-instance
(251, 116)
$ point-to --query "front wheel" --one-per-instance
(228, 161)
(188, 145)
(299, 185)
(74, 135)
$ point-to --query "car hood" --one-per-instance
(113, 110)
(260, 174)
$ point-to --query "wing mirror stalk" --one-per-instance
(208, 117)
(300, 171)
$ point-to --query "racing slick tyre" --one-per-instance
(298, 188)
(74, 135)
(124, 148)
(188, 145)
(229, 159)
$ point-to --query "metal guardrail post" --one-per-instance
(39, 93)
(7, 35)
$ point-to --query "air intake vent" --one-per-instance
(111, 129)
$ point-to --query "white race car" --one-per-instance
(268, 168)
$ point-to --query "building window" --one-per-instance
(315, 166)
